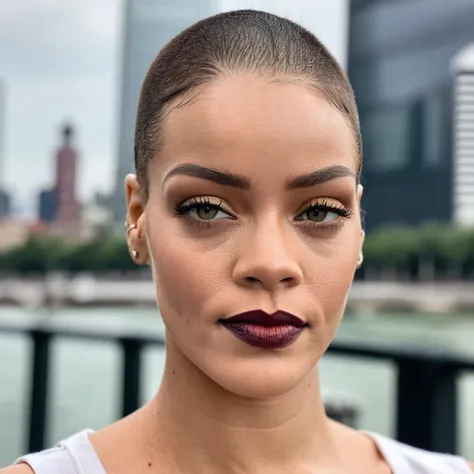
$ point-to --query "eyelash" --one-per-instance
(326, 206)
(182, 212)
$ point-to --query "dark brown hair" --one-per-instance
(244, 40)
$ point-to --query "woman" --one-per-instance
(246, 204)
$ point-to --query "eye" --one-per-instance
(323, 212)
(318, 215)
(207, 212)
(201, 209)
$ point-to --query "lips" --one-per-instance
(267, 331)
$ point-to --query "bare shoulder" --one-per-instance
(17, 469)
(471, 465)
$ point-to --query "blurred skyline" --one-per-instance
(64, 69)
(67, 69)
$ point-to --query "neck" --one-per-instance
(227, 433)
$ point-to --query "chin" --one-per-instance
(260, 377)
(245, 371)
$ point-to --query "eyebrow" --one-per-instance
(226, 178)
(320, 176)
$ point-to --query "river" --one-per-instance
(85, 375)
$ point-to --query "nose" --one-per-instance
(267, 259)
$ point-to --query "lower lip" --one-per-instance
(265, 337)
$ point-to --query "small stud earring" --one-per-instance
(360, 260)
(133, 253)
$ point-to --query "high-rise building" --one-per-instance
(47, 205)
(149, 24)
(5, 204)
(2, 130)
(67, 208)
(5, 198)
(400, 53)
(463, 179)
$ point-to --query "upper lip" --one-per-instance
(262, 318)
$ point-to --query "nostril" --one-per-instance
(254, 280)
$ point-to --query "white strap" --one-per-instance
(404, 459)
(396, 462)
(75, 455)
(50, 461)
(83, 454)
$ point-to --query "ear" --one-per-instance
(135, 222)
(359, 192)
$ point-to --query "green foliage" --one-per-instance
(396, 247)
(456, 247)
(36, 255)
(444, 245)
(393, 246)
(40, 255)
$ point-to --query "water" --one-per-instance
(86, 375)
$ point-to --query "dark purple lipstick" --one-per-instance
(267, 331)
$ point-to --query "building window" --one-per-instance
(436, 128)
(386, 136)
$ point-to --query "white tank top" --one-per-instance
(76, 455)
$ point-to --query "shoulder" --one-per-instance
(405, 458)
(18, 469)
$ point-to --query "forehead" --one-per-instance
(247, 120)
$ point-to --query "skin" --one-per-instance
(223, 404)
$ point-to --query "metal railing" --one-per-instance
(426, 387)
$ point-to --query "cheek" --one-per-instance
(185, 277)
(329, 279)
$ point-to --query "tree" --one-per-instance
(391, 249)
(36, 255)
(455, 248)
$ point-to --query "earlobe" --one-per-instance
(137, 245)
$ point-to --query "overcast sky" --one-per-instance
(59, 60)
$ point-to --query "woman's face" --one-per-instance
(253, 204)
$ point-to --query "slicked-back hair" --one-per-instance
(233, 42)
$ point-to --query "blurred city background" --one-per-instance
(70, 74)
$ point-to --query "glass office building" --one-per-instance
(400, 53)
(398, 57)
(149, 24)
